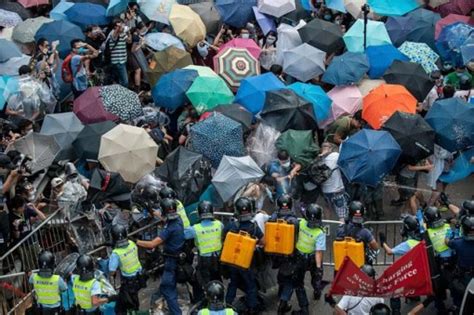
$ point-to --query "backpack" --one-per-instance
(66, 70)
(318, 172)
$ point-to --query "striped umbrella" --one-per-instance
(235, 64)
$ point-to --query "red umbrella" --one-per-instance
(246, 43)
(32, 3)
(462, 7)
(451, 19)
(89, 107)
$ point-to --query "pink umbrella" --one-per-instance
(89, 107)
(346, 100)
(32, 3)
(461, 7)
(248, 44)
(451, 19)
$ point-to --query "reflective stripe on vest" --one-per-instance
(47, 289)
(208, 238)
(82, 293)
(206, 311)
(182, 214)
(128, 256)
(412, 243)
(438, 236)
(307, 237)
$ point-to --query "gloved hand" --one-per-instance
(382, 238)
(330, 300)
(113, 298)
(444, 199)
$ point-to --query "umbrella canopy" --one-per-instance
(165, 61)
(346, 100)
(89, 107)
(422, 54)
(57, 13)
(452, 119)
(413, 134)
(261, 144)
(354, 7)
(161, 41)
(32, 3)
(170, 91)
(11, 66)
(107, 186)
(9, 19)
(265, 22)
(398, 28)
(244, 43)
(462, 7)
(236, 13)
(64, 127)
(87, 142)
(322, 35)
(388, 8)
(8, 50)
(423, 30)
(316, 96)
(84, 14)
(298, 14)
(376, 35)
(122, 102)
(209, 14)
(299, 144)
(156, 10)
(187, 24)
(346, 69)
(202, 71)
(304, 62)
(367, 156)
(233, 173)
(381, 57)
(116, 7)
(288, 38)
(234, 65)
(62, 31)
(251, 93)
(460, 169)
(284, 110)
(16, 8)
(8, 86)
(366, 85)
(217, 136)
(42, 149)
(24, 32)
(276, 8)
(237, 113)
(467, 51)
(450, 40)
(410, 75)
(123, 144)
(207, 92)
(451, 19)
(187, 172)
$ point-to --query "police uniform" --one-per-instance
(48, 292)
(227, 311)
(359, 233)
(465, 265)
(182, 214)
(83, 293)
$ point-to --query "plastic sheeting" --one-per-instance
(261, 144)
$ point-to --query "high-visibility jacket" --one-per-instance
(307, 238)
(206, 311)
(208, 238)
(182, 214)
(47, 289)
(128, 256)
(438, 236)
(82, 292)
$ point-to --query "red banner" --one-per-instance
(408, 276)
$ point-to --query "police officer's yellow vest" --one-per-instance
(82, 292)
(438, 236)
(182, 214)
(208, 238)
(47, 289)
(412, 243)
(128, 256)
(307, 237)
(206, 311)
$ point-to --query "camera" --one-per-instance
(21, 165)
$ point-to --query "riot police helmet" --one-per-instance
(169, 208)
(215, 293)
(46, 263)
(432, 217)
(468, 207)
(467, 226)
(119, 235)
(284, 205)
(356, 212)
(411, 227)
(314, 215)
(167, 192)
(380, 309)
(205, 210)
(85, 267)
(243, 208)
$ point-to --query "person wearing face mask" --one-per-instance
(435, 92)
(268, 55)
(203, 54)
(283, 170)
(454, 78)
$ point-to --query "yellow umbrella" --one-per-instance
(187, 24)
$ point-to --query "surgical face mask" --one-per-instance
(245, 35)
(459, 74)
(327, 17)
(82, 51)
(202, 50)
(285, 164)
(271, 40)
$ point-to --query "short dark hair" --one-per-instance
(448, 91)
(90, 27)
(276, 69)
(358, 115)
(16, 202)
(74, 42)
(25, 69)
(24, 123)
(41, 41)
(283, 155)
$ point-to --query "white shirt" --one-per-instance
(430, 98)
(261, 218)
(334, 183)
(355, 305)
(465, 95)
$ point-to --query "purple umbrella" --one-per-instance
(89, 107)
(265, 22)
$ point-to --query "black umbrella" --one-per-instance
(412, 76)
(108, 186)
(187, 172)
(17, 8)
(284, 110)
(296, 15)
(414, 135)
(87, 142)
(322, 35)
(236, 112)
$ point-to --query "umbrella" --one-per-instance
(304, 62)
(234, 65)
(32, 3)
(64, 127)
(121, 101)
(57, 13)
(337, 5)
(460, 169)
(376, 35)
(284, 110)
(423, 26)
(235, 13)
(116, 7)
(266, 23)
(24, 32)
(298, 14)
(156, 10)
(467, 52)
(366, 85)
(413, 134)
(251, 93)
(16, 8)
(261, 144)
(11, 66)
(233, 173)
(237, 113)
(165, 61)
(450, 40)
(202, 71)
(462, 7)
(316, 96)
(354, 7)
(161, 41)
(420, 53)
(346, 100)
(8, 86)
(170, 91)
(89, 107)
(288, 38)
(410, 75)
(382, 102)
(276, 8)
(207, 92)
(322, 35)
(42, 149)
(187, 24)
(187, 172)
(388, 8)
(9, 19)
(452, 119)
(346, 69)
(299, 144)
(87, 142)
(451, 19)
(124, 144)
(209, 14)
(245, 43)
(83, 14)
(398, 28)
(381, 57)
(217, 136)
(367, 156)
(437, 3)
(63, 31)
(8, 50)
(107, 186)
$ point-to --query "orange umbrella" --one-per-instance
(385, 100)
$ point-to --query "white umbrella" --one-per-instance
(13, 64)
(25, 31)
(304, 62)
(288, 38)
(276, 8)
(157, 10)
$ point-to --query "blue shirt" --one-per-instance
(401, 249)
(281, 187)
(350, 230)
(114, 264)
(173, 236)
(190, 232)
(79, 80)
(62, 287)
(96, 290)
(464, 252)
(250, 227)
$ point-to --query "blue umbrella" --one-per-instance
(367, 156)
(452, 120)
(116, 7)
(316, 96)
(57, 13)
(161, 41)
(170, 91)
(63, 31)
(337, 5)
(265, 22)
(462, 168)
(389, 8)
(376, 35)
(251, 93)
(451, 39)
(467, 51)
(217, 136)
(236, 13)
(381, 57)
(8, 86)
(346, 69)
(8, 49)
(398, 28)
(84, 14)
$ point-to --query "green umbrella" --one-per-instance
(299, 144)
(207, 92)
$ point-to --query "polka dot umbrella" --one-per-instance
(234, 65)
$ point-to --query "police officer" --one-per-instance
(48, 286)
(172, 236)
(467, 207)
(215, 294)
(167, 192)
(244, 212)
(125, 257)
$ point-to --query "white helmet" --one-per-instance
(57, 181)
